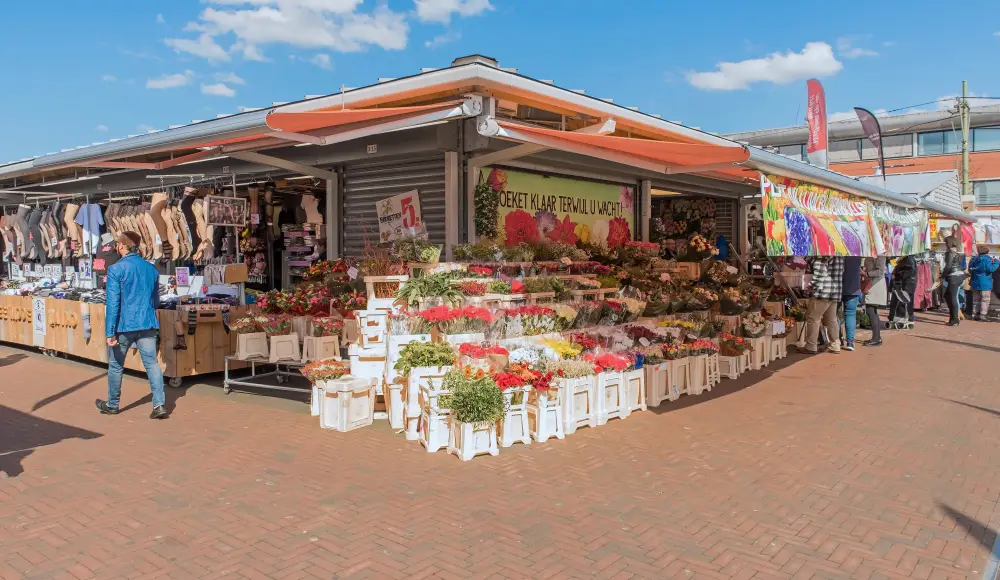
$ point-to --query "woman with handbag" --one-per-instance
(876, 294)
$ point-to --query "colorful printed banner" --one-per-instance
(802, 219)
(533, 208)
(904, 232)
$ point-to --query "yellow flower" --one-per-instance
(582, 231)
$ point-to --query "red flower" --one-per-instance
(520, 228)
(619, 232)
(564, 231)
(542, 382)
(481, 270)
(516, 287)
(497, 180)
(508, 380)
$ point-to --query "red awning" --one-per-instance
(309, 121)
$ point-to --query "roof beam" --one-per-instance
(677, 170)
(213, 152)
(272, 161)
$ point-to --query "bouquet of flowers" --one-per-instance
(327, 326)
(481, 271)
(732, 302)
(704, 297)
(755, 295)
(563, 348)
(753, 325)
(478, 352)
(588, 313)
(466, 320)
(275, 324)
(702, 346)
(245, 325)
(499, 287)
(319, 271)
(525, 355)
(570, 369)
(615, 312)
(652, 355)
(636, 332)
(534, 320)
(798, 313)
(473, 288)
(585, 341)
(674, 351)
(732, 345)
(510, 380)
(407, 323)
(354, 300)
(609, 362)
(565, 315)
(326, 370)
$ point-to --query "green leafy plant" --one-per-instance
(484, 250)
(437, 285)
(487, 210)
(424, 354)
(475, 396)
(499, 287)
(416, 249)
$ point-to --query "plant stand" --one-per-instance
(714, 373)
(395, 409)
(579, 406)
(634, 391)
(395, 344)
(300, 325)
(657, 383)
(759, 356)
(514, 425)
(420, 377)
(778, 348)
(348, 403)
(251, 345)
(680, 378)
(545, 417)
(285, 348)
(698, 374)
(434, 419)
(610, 397)
(316, 348)
(316, 398)
(467, 440)
(729, 366)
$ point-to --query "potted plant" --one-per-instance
(476, 405)
(284, 343)
(318, 373)
(515, 383)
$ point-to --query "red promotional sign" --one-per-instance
(816, 117)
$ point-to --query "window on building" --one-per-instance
(987, 192)
(841, 151)
(794, 151)
(938, 143)
(986, 139)
(892, 145)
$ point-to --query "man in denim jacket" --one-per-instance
(133, 295)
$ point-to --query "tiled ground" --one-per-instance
(873, 464)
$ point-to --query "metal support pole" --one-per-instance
(645, 216)
(332, 219)
(963, 107)
(451, 201)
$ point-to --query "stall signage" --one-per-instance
(902, 232)
(802, 219)
(183, 276)
(85, 272)
(532, 208)
(14, 313)
(15, 272)
(397, 215)
(38, 324)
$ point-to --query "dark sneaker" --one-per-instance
(103, 407)
(159, 413)
(873, 342)
(849, 346)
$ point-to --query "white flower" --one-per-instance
(599, 232)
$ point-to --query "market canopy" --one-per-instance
(313, 120)
(661, 156)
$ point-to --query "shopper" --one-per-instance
(132, 298)
(827, 291)
(952, 275)
(852, 296)
(876, 295)
(981, 269)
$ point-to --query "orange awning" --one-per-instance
(671, 154)
(309, 121)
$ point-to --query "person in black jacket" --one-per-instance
(953, 275)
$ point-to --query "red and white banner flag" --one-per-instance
(816, 117)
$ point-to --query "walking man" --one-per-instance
(133, 295)
(827, 292)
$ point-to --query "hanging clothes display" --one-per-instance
(925, 281)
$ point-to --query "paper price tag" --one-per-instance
(352, 273)
(566, 261)
(644, 341)
(731, 269)
(255, 219)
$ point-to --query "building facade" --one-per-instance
(913, 143)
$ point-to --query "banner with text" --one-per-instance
(398, 215)
(904, 232)
(535, 208)
(802, 219)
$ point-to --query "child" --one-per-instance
(981, 268)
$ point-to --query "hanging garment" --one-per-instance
(72, 229)
(187, 208)
(156, 212)
(35, 235)
(90, 220)
(922, 296)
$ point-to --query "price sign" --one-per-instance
(85, 272)
(255, 219)
(397, 214)
(15, 272)
(352, 273)
(183, 276)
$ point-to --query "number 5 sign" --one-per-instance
(397, 214)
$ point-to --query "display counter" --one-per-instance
(58, 326)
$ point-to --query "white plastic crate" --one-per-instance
(348, 403)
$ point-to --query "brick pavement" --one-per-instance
(873, 464)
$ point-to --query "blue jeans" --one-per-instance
(145, 341)
(850, 317)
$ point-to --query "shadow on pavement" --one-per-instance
(171, 394)
(67, 391)
(978, 530)
(23, 433)
(993, 412)
(959, 342)
(12, 359)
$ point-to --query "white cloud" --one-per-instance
(322, 61)
(109, 78)
(443, 39)
(815, 60)
(160, 19)
(336, 25)
(218, 90)
(847, 47)
(102, 128)
(204, 46)
(170, 81)
(441, 10)
(144, 128)
(229, 78)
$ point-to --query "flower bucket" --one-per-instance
(251, 345)
(285, 348)
(320, 348)
(429, 378)
(395, 344)
(697, 374)
(514, 425)
(634, 391)
(657, 383)
(545, 417)
(348, 404)
(467, 440)
(578, 401)
(610, 396)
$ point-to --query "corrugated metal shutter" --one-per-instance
(367, 183)
(725, 219)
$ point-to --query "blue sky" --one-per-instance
(82, 72)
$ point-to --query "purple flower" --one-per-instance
(546, 221)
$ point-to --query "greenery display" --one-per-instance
(415, 249)
(499, 287)
(437, 285)
(475, 396)
(424, 354)
(487, 203)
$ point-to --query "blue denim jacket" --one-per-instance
(133, 294)
(982, 268)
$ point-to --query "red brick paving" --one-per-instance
(873, 464)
